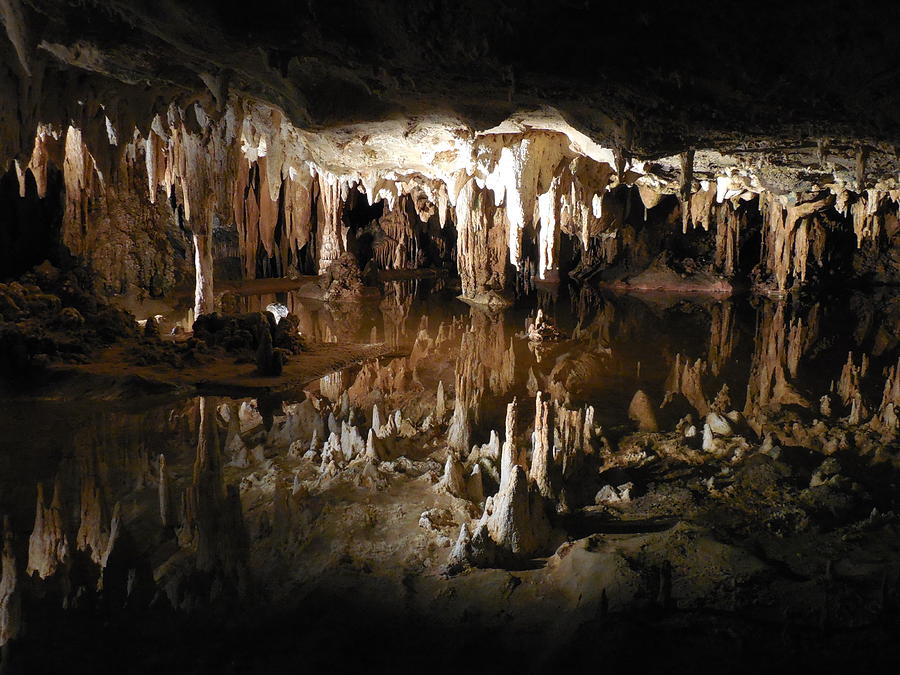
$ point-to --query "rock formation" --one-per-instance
(48, 546)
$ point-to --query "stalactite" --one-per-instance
(702, 207)
(548, 233)
(786, 239)
(268, 206)
(686, 186)
(728, 233)
(328, 213)
(519, 168)
(397, 249)
(204, 298)
(722, 336)
(481, 245)
(770, 381)
(48, 150)
(80, 181)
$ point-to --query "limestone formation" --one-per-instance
(641, 411)
(48, 546)
(542, 470)
(10, 593)
(693, 212)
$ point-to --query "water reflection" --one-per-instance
(192, 504)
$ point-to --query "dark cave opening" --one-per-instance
(30, 226)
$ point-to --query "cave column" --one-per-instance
(204, 301)
(330, 208)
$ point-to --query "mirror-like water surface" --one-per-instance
(208, 506)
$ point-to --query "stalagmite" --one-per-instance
(440, 408)
(541, 454)
(475, 485)
(376, 419)
(371, 448)
(459, 432)
(454, 481)
(517, 522)
(510, 456)
(268, 360)
(641, 411)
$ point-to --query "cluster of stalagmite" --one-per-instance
(531, 486)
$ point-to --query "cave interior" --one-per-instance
(448, 336)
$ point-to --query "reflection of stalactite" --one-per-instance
(486, 364)
(469, 391)
(686, 378)
(775, 350)
(395, 307)
(93, 528)
(211, 521)
(722, 336)
(492, 350)
(48, 546)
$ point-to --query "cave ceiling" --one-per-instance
(793, 91)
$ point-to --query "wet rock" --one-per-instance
(69, 317)
(826, 471)
(541, 329)
(342, 281)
